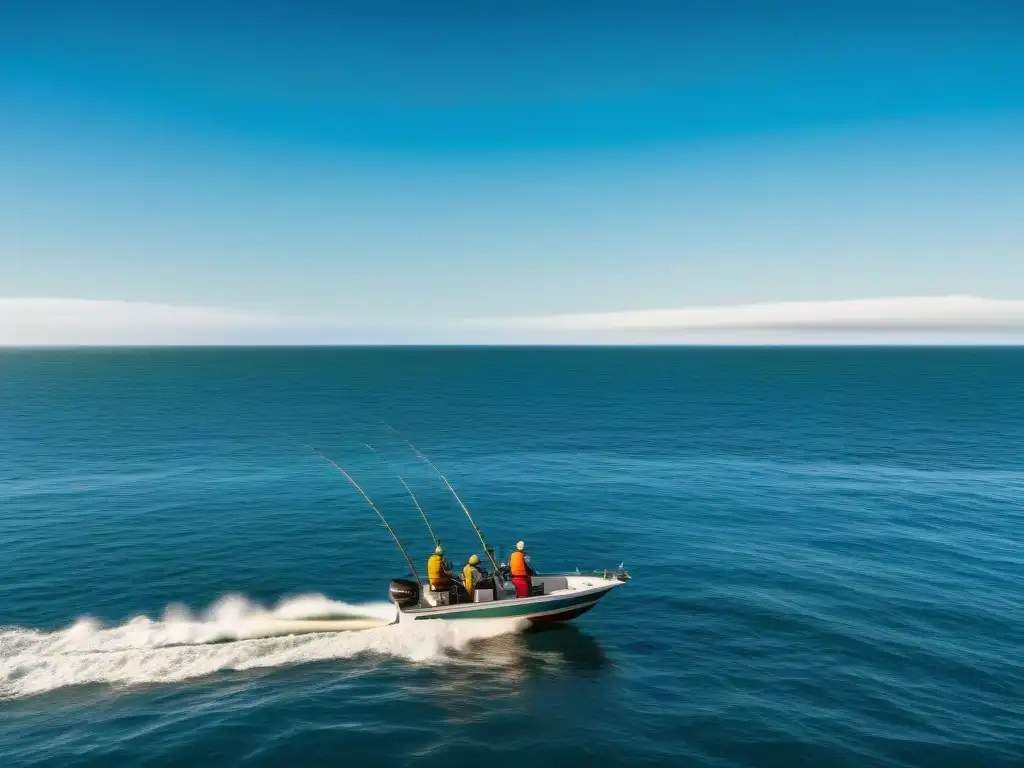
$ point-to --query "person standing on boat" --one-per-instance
(439, 572)
(472, 575)
(521, 571)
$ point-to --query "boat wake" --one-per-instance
(233, 634)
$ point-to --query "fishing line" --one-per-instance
(488, 550)
(373, 506)
(412, 495)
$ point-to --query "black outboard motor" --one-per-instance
(405, 593)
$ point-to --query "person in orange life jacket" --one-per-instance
(472, 575)
(520, 570)
(439, 572)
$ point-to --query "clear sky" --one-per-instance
(402, 164)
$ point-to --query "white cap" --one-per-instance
(520, 546)
(439, 550)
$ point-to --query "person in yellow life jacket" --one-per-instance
(472, 575)
(439, 573)
(520, 571)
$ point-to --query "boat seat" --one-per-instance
(438, 596)
(553, 583)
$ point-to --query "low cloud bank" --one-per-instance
(939, 313)
(880, 320)
(940, 320)
(73, 322)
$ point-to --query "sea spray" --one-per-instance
(181, 647)
(315, 606)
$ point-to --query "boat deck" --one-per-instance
(561, 596)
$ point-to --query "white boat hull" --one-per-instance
(566, 596)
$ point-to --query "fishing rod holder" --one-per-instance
(610, 574)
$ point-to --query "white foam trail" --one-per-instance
(179, 647)
(310, 606)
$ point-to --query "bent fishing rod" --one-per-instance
(437, 542)
(373, 506)
(488, 550)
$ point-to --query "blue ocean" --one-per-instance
(825, 544)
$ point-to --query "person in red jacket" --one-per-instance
(520, 571)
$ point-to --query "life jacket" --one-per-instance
(469, 576)
(436, 572)
(517, 564)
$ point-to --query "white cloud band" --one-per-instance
(953, 319)
(957, 314)
(46, 321)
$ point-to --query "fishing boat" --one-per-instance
(554, 597)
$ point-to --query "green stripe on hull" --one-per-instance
(511, 608)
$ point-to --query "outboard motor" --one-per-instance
(405, 593)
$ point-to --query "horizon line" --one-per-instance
(515, 345)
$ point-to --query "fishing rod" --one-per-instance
(437, 542)
(488, 550)
(373, 506)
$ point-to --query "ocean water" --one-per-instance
(826, 547)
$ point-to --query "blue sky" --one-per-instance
(407, 164)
